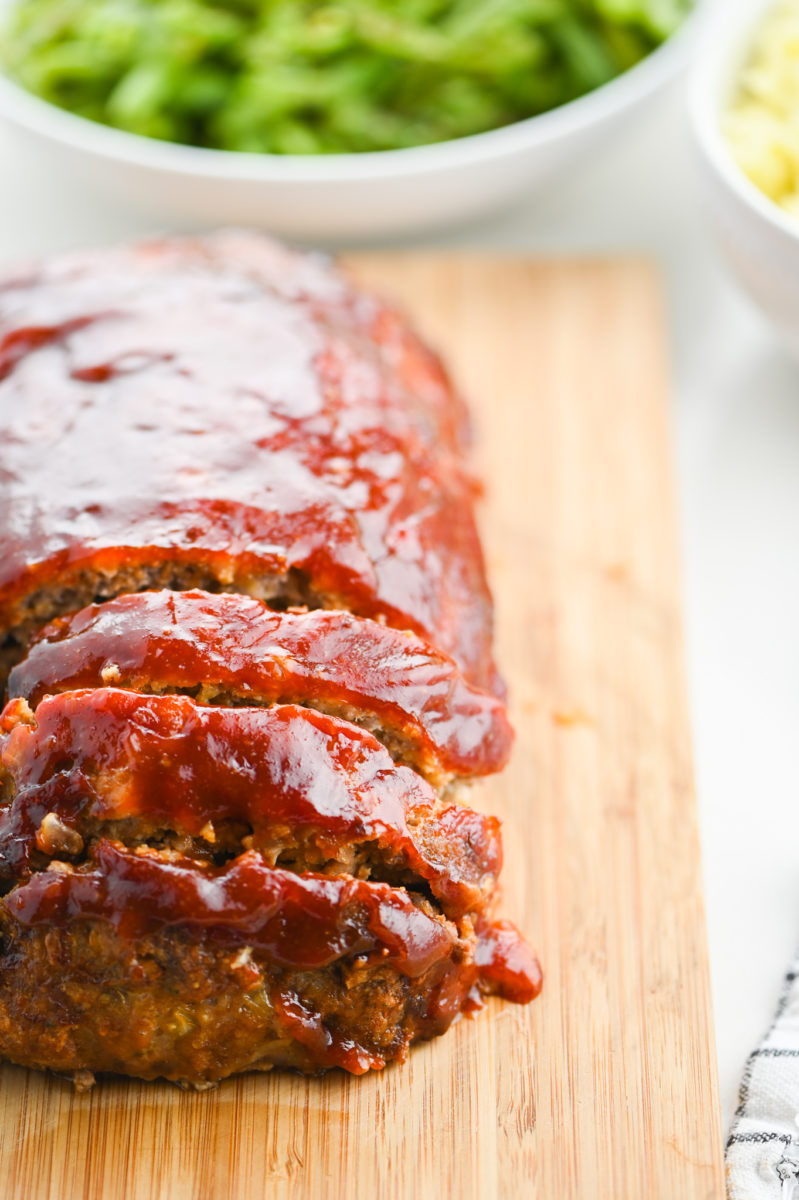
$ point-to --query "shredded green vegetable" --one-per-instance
(295, 77)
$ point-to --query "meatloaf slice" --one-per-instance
(228, 414)
(151, 964)
(299, 786)
(233, 649)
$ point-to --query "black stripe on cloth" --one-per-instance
(736, 1138)
(746, 1079)
(774, 1052)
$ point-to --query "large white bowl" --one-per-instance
(346, 196)
(759, 241)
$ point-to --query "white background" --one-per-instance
(736, 412)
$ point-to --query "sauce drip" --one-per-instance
(506, 963)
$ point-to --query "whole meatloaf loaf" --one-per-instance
(245, 635)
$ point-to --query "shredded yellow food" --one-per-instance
(762, 126)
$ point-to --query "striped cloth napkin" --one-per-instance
(763, 1146)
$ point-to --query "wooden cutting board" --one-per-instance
(605, 1088)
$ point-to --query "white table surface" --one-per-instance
(736, 410)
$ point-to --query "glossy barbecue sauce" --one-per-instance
(185, 641)
(226, 408)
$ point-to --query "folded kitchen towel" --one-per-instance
(763, 1146)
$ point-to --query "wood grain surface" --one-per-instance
(605, 1088)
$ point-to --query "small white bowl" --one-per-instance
(759, 241)
(346, 196)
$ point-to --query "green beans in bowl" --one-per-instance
(347, 92)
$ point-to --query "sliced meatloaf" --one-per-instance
(246, 633)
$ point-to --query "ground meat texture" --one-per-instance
(224, 410)
(232, 649)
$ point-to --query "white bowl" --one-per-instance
(759, 241)
(346, 196)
